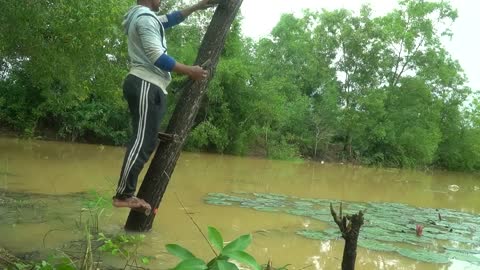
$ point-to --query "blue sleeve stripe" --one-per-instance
(165, 62)
(174, 18)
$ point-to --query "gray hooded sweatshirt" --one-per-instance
(146, 43)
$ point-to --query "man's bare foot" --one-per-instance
(134, 203)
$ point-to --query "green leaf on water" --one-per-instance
(389, 227)
(243, 258)
(224, 265)
(317, 235)
(239, 244)
(145, 260)
(191, 264)
(466, 256)
(424, 255)
(215, 238)
(376, 245)
(179, 251)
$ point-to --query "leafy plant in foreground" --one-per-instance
(94, 206)
(126, 247)
(234, 250)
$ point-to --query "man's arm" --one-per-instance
(171, 19)
(167, 63)
(177, 17)
(194, 72)
(155, 52)
(203, 4)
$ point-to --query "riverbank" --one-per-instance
(329, 157)
(51, 135)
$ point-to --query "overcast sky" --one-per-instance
(260, 16)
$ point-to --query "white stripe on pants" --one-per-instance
(143, 109)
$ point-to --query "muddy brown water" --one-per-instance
(57, 168)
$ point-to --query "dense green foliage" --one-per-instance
(333, 85)
(60, 76)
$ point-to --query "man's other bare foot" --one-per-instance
(133, 203)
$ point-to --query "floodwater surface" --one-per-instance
(56, 171)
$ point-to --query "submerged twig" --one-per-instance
(87, 263)
(47, 233)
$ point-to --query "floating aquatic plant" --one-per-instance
(389, 227)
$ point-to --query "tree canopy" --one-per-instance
(331, 85)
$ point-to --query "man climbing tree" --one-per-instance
(145, 88)
(163, 163)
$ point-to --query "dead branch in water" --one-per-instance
(350, 228)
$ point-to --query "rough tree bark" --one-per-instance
(350, 228)
(163, 164)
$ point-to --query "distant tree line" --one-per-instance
(331, 85)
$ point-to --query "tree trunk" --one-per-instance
(349, 253)
(168, 152)
(317, 138)
(350, 228)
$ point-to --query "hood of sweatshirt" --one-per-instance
(131, 14)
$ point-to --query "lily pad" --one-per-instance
(389, 227)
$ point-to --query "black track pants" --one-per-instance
(147, 104)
